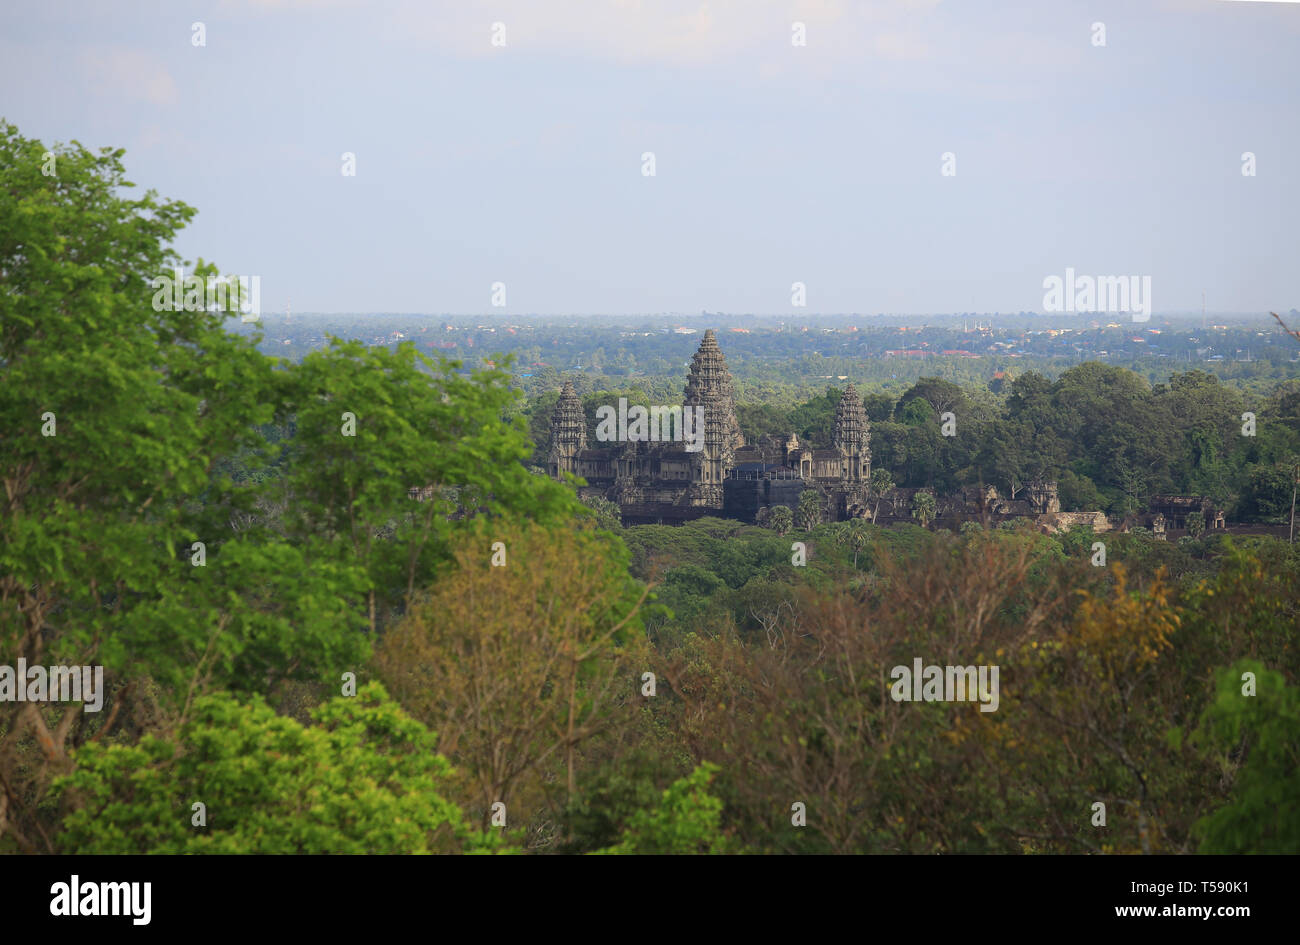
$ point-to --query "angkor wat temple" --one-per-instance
(663, 482)
(666, 483)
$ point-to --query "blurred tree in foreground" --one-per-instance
(366, 778)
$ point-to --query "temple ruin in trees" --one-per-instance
(665, 482)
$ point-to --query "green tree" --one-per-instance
(606, 513)
(879, 486)
(136, 443)
(811, 508)
(814, 419)
(518, 660)
(917, 412)
(1109, 416)
(923, 508)
(687, 820)
(855, 533)
(372, 424)
(366, 778)
(1078, 493)
(941, 395)
(115, 419)
(1205, 415)
(781, 519)
(1266, 495)
(879, 408)
(1257, 740)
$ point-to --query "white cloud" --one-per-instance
(676, 32)
(127, 74)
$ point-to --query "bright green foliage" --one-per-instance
(366, 778)
(371, 425)
(142, 403)
(688, 820)
(1258, 741)
(128, 433)
(115, 418)
(101, 515)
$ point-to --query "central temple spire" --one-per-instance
(568, 432)
(708, 385)
(851, 435)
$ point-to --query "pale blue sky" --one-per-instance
(775, 164)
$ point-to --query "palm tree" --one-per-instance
(781, 519)
(923, 507)
(811, 503)
(856, 535)
(879, 485)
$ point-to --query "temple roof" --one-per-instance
(568, 422)
(851, 430)
(709, 385)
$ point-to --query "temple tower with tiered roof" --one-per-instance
(852, 437)
(708, 385)
(568, 433)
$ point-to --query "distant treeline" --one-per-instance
(769, 361)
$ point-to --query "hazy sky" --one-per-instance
(774, 163)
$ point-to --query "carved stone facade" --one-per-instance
(657, 481)
(663, 481)
(1176, 508)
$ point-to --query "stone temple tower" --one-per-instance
(852, 437)
(568, 433)
(708, 385)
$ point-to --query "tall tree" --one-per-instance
(880, 485)
(812, 508)
(923, 508)
(373, 424)
(856, 534)
(520, 655)
(116, 409)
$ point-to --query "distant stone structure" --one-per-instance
(1176, 508)
(657, 481)
(1064, 521)
(978, 503)
(663, 482)
(568, 433)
